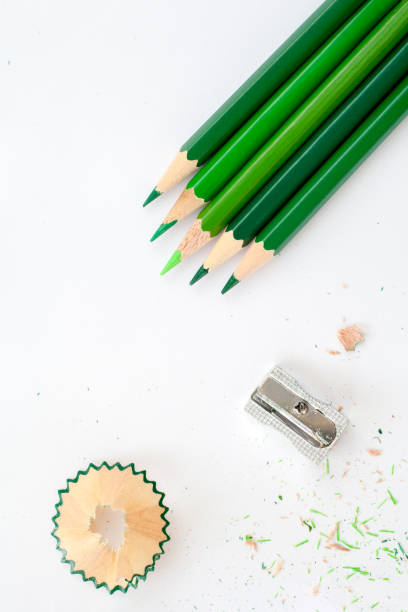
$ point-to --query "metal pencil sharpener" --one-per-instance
(312, 426)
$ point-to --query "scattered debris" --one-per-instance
(350, 336)
(392, 498)
(338, 547)
(374, 452)
(277, 568)
(249, 541)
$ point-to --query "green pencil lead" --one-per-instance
(155, 194)
(318, 512)
(230, 284)
(201, 272)
(357, 529)
(402, 550)
(161, 229)
(349, 545)
(264, 540)
(301, 543)
(173, 261)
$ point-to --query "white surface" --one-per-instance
(101, 359)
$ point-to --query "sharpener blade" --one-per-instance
(313, 426)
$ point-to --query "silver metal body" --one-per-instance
(312, 425)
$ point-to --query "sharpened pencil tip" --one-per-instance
(230, 284)
(201, 272)
(161, 229)
(173, 261)
(155, 194)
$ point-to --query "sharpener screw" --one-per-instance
(302, 407)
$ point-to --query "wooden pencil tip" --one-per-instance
(162, 229)
(155, 194)
(230, 284)
(173, 261)
(201, 272)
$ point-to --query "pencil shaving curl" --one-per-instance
(87, 553)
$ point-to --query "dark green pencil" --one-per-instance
(258, 212)
(253, 93)
(295, 214)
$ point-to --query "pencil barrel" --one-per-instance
(298, 211)
(306, 120)
(268, 78)
(277, 109)
(257, 213)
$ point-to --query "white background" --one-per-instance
(101, 359)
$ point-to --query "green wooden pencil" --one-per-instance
(249, 97)
(222, 167)
(258, 212)
(294, 133)
(295, 214)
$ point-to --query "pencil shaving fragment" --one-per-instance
(350, 336)
(316, 588)
(252, 544)
(124, 492)
(338, 547)
(374, 452)
(278, 568)
(333, 531)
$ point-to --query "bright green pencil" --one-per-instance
(229, 160)
(294, 133)
(324, 183)
(253, 93)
